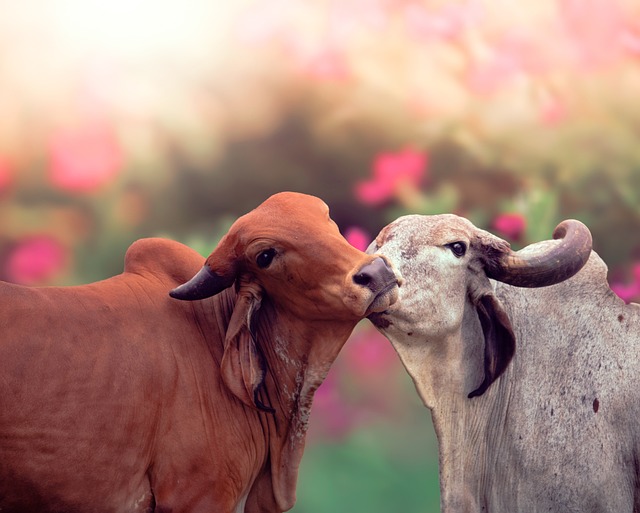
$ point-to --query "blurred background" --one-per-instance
(124, 119)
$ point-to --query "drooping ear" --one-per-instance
(499, 340)
(243, 367)
(218, 273)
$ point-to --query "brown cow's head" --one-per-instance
(288, 259)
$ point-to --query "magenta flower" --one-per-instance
(357, 237)
(338, 408)
(333, 418)
(626, 292)
(85, 159)
(35, 261)
(629, 291)
(369, 353)
(392, 172)
(510, 225)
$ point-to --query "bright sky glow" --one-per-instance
(62, 58)
(120, 30)
(139, 28)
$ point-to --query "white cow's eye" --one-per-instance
(265, 258)
(458, 248)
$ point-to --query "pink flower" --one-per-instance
(512, 55)
(488, 77)
(626, 292)
(325, 65)
(85, 159)
(339, 408)
(369, 354)
(594, 29)
(333, 418)
(629, 291)
(322, 59)
(35, 261)
(391, 172)
(630, 40)
(510, 225)
(358, 238)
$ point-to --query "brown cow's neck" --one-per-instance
(298, 355)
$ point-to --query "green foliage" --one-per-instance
(374, 470)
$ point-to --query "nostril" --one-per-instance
(362, 279)
(376, 275)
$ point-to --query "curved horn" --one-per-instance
(204, 284)
(548, 266)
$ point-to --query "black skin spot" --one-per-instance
(620, 318)
(379, 321)
(596, 405)
(409, 253)
(410, 334)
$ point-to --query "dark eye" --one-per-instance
(458, 248)
(265, 258)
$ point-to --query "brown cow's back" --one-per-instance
(88, 394)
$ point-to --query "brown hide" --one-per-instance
(116, 397)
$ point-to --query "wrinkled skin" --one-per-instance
(116, 397)
(557, 431)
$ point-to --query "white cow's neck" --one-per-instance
(445, 370)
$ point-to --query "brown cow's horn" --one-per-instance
(548, 266)
(204, 284)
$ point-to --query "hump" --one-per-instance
(162, 257)
(587, 289)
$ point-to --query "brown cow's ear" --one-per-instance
(499, 340)
(243, 367)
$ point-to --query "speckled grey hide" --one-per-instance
(559, 430)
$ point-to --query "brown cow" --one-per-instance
(115, 397)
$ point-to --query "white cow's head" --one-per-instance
(446, 263)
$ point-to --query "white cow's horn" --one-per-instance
(553, 264)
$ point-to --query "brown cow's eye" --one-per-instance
(458, 248)
(265, 258)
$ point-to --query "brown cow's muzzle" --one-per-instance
(379, 278)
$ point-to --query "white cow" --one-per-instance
(534, 392)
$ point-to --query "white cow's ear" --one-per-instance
(243, 366)
(499, 340)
